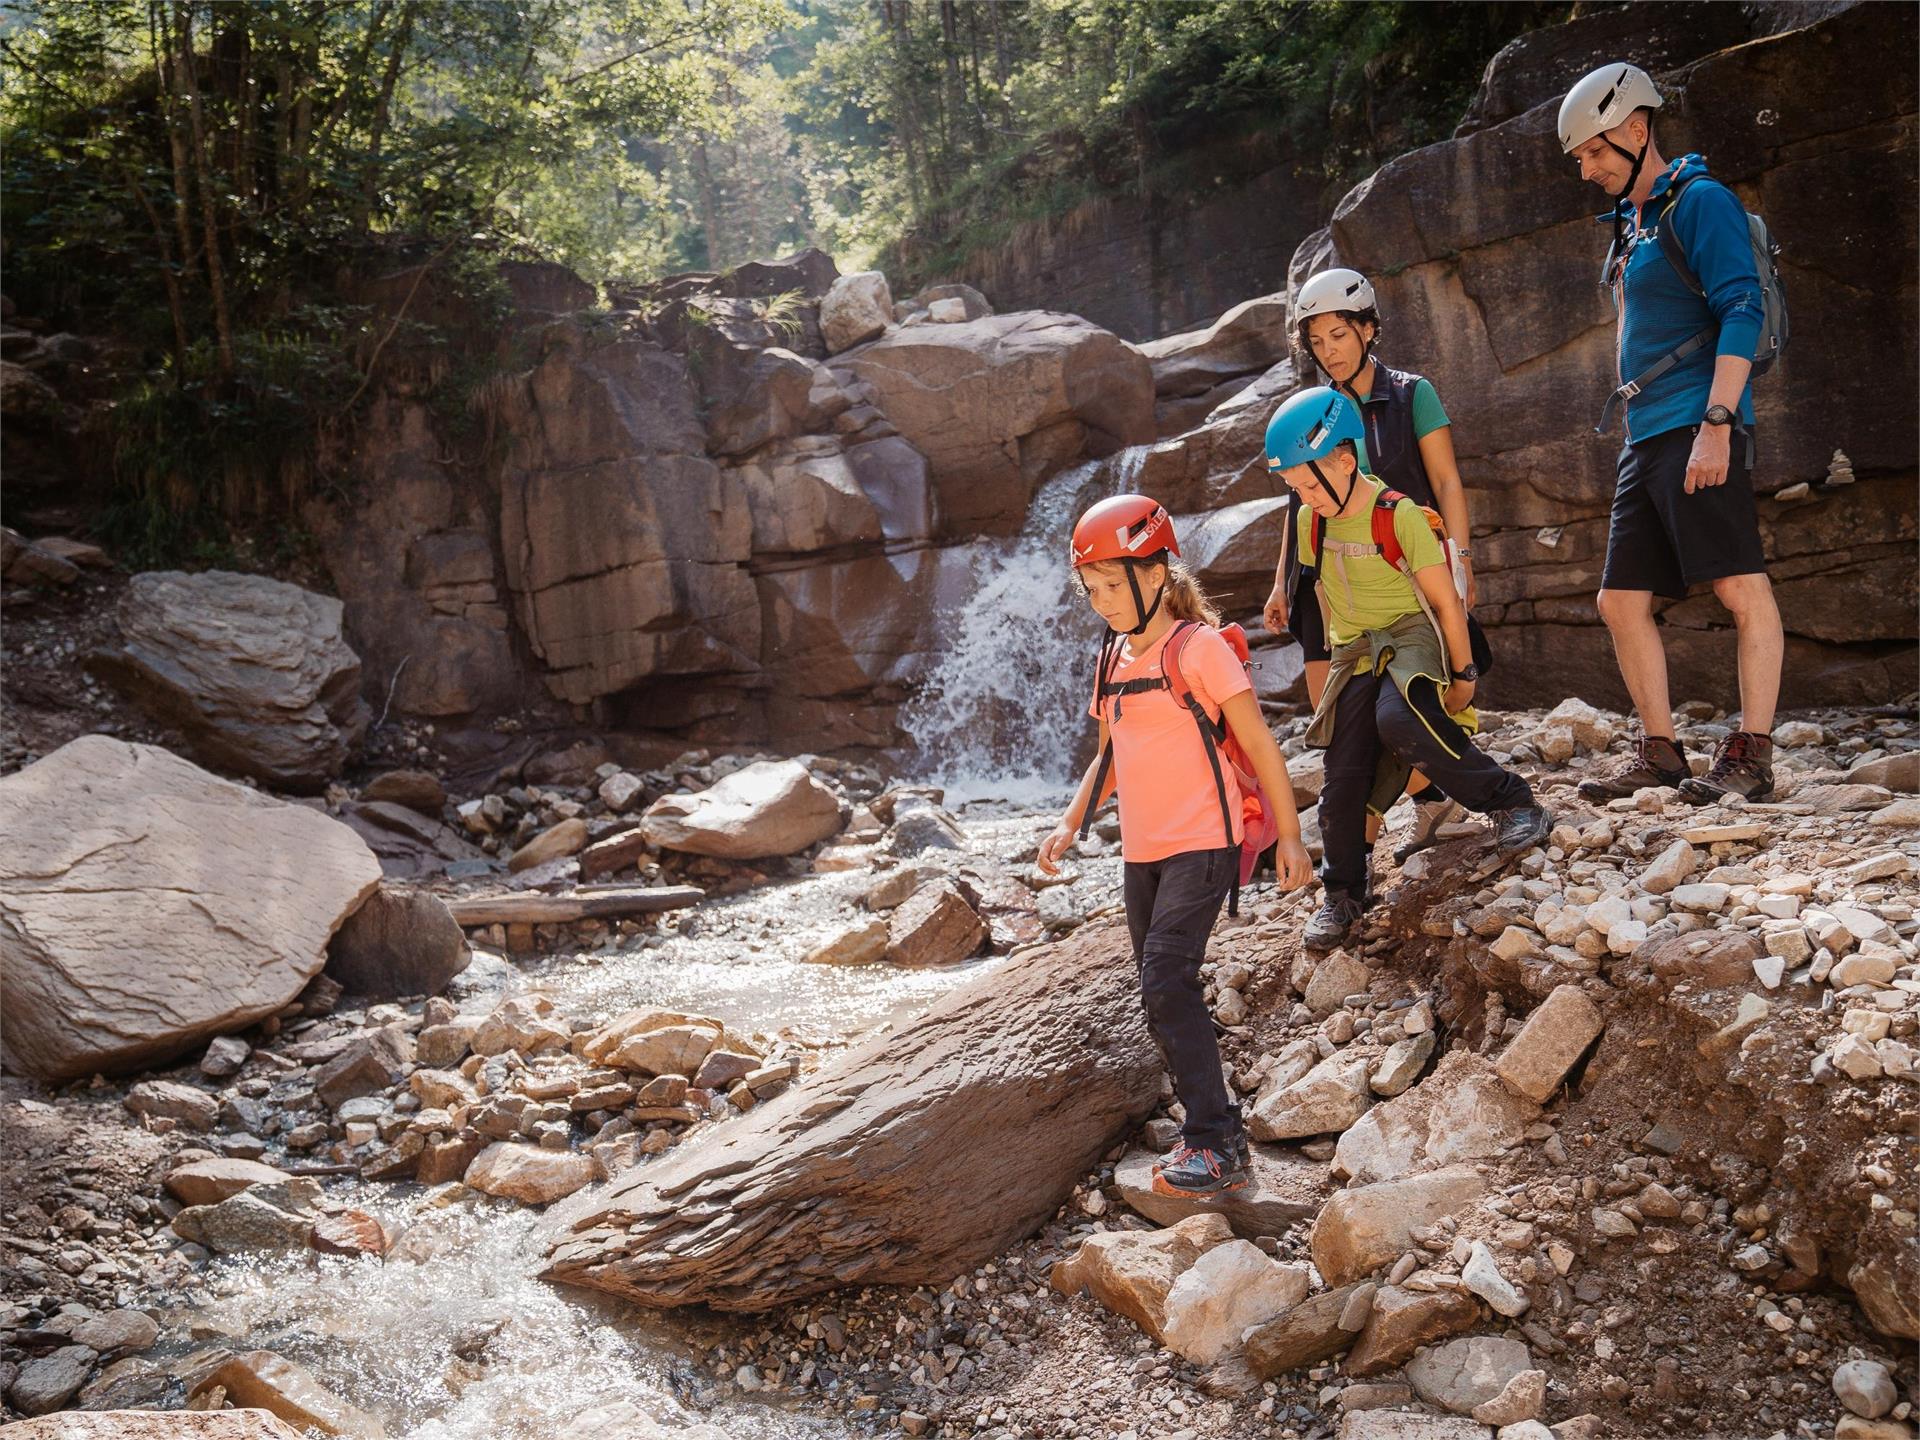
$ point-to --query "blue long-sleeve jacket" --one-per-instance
(1662, 313)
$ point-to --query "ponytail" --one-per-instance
(1184, 597)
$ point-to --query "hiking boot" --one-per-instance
(1520, 828)
(1332, 923)
(1654, 760)
(1742, 765)
(1192, 1172)
(1428, 817)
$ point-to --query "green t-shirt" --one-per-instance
(1380, 594)
(1429, 415)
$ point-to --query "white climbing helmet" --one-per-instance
(1602, 100)
(1333, 290)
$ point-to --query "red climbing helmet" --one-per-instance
(1125, 527)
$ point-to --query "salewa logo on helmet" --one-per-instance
(1139, 532)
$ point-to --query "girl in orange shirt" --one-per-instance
(1179, 860)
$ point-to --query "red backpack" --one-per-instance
(1383, 536)
(1259, 829)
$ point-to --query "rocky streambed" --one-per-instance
(1615, 1139)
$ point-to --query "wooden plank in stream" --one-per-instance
(601, 902)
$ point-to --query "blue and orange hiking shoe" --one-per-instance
(1197, 1173)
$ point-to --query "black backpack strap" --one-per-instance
(1676, 256)
(1212, 734)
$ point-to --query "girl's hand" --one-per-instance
(1053, 848)
(1275, 612)
(1294, 869)
(1458, 697)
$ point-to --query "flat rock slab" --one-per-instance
(595, 903)
(1287, 1189)
(913, 1157)
(147, 905)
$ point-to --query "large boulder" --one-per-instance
(856, 308)
(906, 1161)
(1497, 301)
(1132, 1272)
(253, 673)
(1194, 371)
(147, 905)
(399, 942)
(772, 807)
(1367, 1226)
(624, 545)
(999, 404)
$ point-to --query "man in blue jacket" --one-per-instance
(1683, 507)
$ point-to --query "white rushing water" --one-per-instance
(1003, 714)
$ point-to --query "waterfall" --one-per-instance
(1004, 710)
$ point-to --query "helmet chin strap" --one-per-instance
(1145, 611)
(1327, 485)
(1633, 177)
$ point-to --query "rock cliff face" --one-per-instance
(1486, 258)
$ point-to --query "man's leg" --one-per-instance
(1642, 659)
(1762, 646)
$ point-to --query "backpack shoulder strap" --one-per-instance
(1670, 245)
(1384, 505)
(1170, 659)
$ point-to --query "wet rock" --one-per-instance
(254, 673)
(1462, 1374)
(856, 309)
(1401, 1321)
(398, 943)
(48, 1381)
(232, 893)
(127, 1383)
(1364, 1227)
(919, 826)
(1227, 1289)
(531, 1175)
(895, 887)
(265, 1217)
(771, 807)
(1133, 1272)
(369, 1063)
(1459, 1112)
(190, 1108)
(1285, 1189)
(722, 1068)
(208, 1182)
(264, 1380)
(349, 1232)
(117, 1331)
(1304, 1335)
(1556, 1034)
(623, 1420)
(858, 945)
(1324, 1101)
(1047, 1058)
(936, 926)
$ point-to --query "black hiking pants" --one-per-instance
(1171, 907)
(1371, 715)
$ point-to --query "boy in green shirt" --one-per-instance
(1392, 694)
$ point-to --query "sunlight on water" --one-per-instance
(466, 1343)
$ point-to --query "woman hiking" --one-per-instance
(1408, 443)
(1399, 690)
(1181, 813)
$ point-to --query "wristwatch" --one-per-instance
(1468, 673)
(1717, 415)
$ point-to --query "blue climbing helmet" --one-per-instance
(1310, 426)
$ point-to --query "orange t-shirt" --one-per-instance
(1168, 803)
